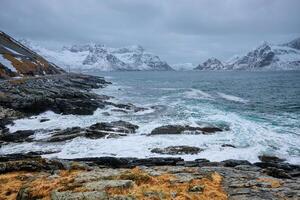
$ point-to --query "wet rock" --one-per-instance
(233, 163)
(44, 120)
(228, 145)
(128, 107)
(18, 136)
(67, 134)
(95, 131)
(267, 158)
(177, 150)
(179, 129)
(65, 93)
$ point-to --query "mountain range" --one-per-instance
(25, 57)
(265, 57)
(100, 57)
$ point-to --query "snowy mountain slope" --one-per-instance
(264, 57)
(19, 60)
(268, 57)
(99, 57)
(211, 64)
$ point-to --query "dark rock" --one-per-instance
(95, 131)
(284, 166)
(31, 165)
(130, 162)
(67, 134)
(177, 150)
(228, 145)
(267, 158)
(201, 160)
(233, 163)
(18, 136)
(179, 129)
(44, 120)
(17, 156)
(66, 93)
(277, 173)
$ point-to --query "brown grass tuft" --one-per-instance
(165, 186)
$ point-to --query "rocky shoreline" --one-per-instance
(150, 178)
(120, 178)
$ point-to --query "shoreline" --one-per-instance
(271, 178)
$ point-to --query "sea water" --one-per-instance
(261, 111)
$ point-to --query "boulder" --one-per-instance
(95, 131)
(268, 158)
(233, 163)
(179, 129)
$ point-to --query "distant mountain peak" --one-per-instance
(211, 64)
(265, 56)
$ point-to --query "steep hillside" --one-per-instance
(18, 60)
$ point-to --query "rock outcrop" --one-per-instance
(28, 177)
(180, 129)
(66, 93)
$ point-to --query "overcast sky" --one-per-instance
(177, 30)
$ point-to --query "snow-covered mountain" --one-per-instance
(99, 57)
(265, 57)
(211, 64)
(183, 66)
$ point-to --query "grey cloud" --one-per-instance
(177, 30)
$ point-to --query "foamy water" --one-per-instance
(256, 124)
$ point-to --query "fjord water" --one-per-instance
(259, 110)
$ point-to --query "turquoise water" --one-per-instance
(260, 109)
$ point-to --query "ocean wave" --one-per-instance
(231, 97)
(197, 94)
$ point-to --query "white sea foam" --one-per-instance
(251, 137)
(231, 97)
(197, 94)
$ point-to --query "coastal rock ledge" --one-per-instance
(26, 177)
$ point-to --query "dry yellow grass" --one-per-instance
(146, 187)
(165, 186)
(11, 183)
(274, 182)
(40, 184)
